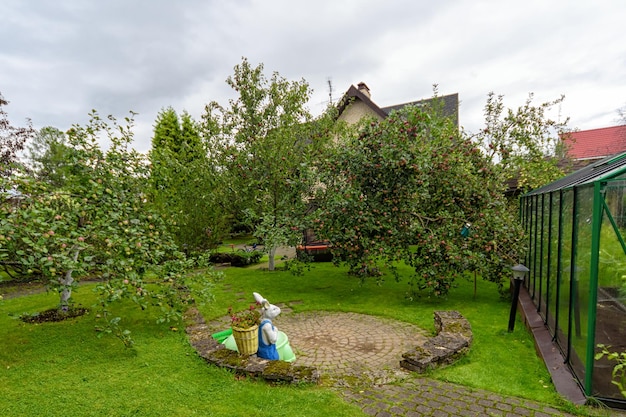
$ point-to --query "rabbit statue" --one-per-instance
(268, 333)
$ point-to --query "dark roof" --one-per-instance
(353, 93)
(609, 166)
(450, 106)
(596, 143)
(450, 103)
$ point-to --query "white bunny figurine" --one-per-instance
(268, 333)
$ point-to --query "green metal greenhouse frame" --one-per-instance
(577, 261)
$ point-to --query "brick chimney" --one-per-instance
(363, 88)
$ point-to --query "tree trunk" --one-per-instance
(66, 283)
(271, 254)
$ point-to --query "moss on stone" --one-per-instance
(285, 371)
(278, 368)
(229, 358)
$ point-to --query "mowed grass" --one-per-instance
(498, 361)
(63, 369)
(57, 369)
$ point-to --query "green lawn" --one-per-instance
(60, 369)
(498, 361)
(63, 369)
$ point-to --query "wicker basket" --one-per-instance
(247, 340)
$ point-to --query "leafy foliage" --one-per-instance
(246, 318)
(264, 144)
(403, 190)
(523, 144)
(99, 224)
(12, 140)
(49, 156)
(619, 371)
(183, 184)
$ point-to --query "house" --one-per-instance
(357, 103)
(588, 146)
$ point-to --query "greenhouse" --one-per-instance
(576, 229)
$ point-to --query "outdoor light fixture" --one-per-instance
(519, 272)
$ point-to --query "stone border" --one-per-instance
(453, 339)
(216, 354)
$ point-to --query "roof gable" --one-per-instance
(450, 103)
(352, 94)
(596, 143)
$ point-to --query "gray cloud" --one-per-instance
(61, 59)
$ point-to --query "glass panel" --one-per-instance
(614, 198)
(567, 219)
(536, 250)
(544, 261)
(611, 309)
(527, 222)
(551, 293)
(530, 228)
(580, 282)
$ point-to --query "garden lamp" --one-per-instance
(519, 272)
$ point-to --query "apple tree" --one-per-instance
(100, 224)
(404, 189)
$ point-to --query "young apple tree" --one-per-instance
(264, 143)
(99, 224)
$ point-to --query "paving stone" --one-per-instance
(370, 411)
(461, 404)
(523, 411)
(410, 405)
(487, 403)
(504, 407)
(397, 410)
(550, 410)
(434, 404)
(476, 409)
(454, 411)
(423, 408)
(381, 406)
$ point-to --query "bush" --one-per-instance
(243, 258)
(239, 258)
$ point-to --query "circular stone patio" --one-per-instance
(349, 348)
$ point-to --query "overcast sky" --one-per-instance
(60, 59)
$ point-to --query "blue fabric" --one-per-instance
(266, 351)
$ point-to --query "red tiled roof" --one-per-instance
(596, 143)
